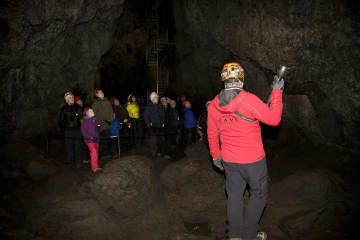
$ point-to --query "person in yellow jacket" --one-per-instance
(133, 109)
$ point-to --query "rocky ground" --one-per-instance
(313, 195)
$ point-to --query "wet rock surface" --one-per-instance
(196, 193)
(22, 159)
(136, 197)
(300, 201)
(319, 38)
(126, 186)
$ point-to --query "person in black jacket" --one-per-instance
(69, 121)
(154, 117)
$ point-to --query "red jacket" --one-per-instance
(240, 139)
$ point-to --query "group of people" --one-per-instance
(93, 126)
(230, 127)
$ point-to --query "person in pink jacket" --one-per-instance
(235, 142)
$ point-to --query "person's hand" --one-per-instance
(218, 163)
(277, 83)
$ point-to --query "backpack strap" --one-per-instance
(245, 118)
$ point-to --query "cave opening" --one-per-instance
(142, 56)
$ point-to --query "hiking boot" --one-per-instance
(261, 236)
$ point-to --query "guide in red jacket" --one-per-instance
(233, 121)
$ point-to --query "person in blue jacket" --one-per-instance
(154, 118)
(190, 124)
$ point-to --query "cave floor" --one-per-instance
(23, 197)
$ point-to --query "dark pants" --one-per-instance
(74, 146)
(189, 135)
(124, 137)
(245, 226)
(105, 146)
(155, 140)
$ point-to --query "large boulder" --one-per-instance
(196, 193)
(300, 200)
(126, 186)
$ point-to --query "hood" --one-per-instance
(227, 100)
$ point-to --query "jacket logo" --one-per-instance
(228, 119)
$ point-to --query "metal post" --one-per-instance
(157, 72)
(118, 139)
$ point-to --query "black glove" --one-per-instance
(277, 83)
(218, 163)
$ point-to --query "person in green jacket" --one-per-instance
(105, 115)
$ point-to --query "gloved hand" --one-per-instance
(277, 83)
(218, 163)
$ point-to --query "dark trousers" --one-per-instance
(124, 137)
(189, 135)
(245, 226)
(155, 140)
(105, 146)
(74, 145)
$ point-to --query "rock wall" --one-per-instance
(48, 47)
(319, 38)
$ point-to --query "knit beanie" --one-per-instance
(85, 111)
(68, 94)
(77, 98)
(96, 91)
(153, 95)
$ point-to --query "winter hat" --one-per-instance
(77, 98)
(130, 97)
(163, 99)
(153, 95)
(68, 94)
(85, 111)
(96, 91)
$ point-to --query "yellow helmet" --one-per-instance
(232, 70)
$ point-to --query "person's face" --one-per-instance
(100, 94)
(116, 102)
(173, 104)
(80, 102)
(91, 113)
(164, 102)
(69, 99)
(187, 104)
(133, 99)
(155, 100)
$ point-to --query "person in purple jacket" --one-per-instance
(90, 129)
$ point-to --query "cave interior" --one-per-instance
(176, 48)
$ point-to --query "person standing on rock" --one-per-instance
(69, 121)
(133, 109)
(104, 114)
(233, 120)
(90, 129)
(202, 124)
(154, 117)
(78, 101)
(173, 124)
(122, 115)
(190, 124)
